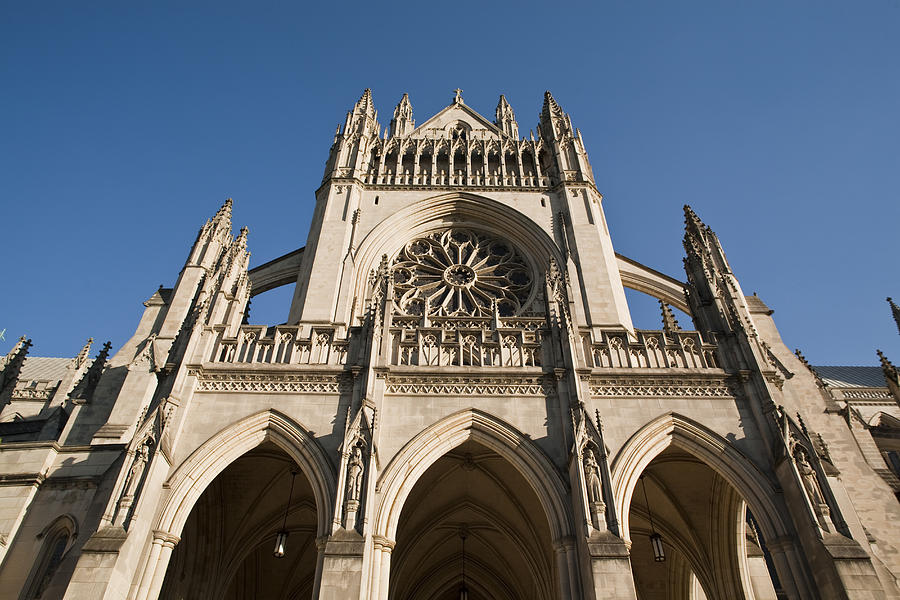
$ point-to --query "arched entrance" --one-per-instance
(472, 495)
(226, 547)
(273, 434)
(475, 474)
(711, 549)
(713, 509)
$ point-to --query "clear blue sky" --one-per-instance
(125, 125)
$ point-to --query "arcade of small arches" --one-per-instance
(468, 503)
(458, 155)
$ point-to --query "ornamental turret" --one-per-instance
(505, 118)
(402, 124)
(563, 142)
(353, 142)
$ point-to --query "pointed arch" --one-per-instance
(405, 469)
(708, 446)
(193, 476)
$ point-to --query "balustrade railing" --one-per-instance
(256, 344)
(650, 349)
(467, 342)
(464, 342)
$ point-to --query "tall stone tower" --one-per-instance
(457, 406)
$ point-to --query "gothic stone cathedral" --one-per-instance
(458, 406)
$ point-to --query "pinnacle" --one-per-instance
(895, 310)
(365, 104)
(224, 211)
(550, 108)
(692, 221)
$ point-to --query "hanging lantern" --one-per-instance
(281, 537)
(280, 540)
(659, 553)
(463, 590)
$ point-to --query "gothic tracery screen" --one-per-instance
(460, 272)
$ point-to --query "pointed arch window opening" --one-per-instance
(281, 536)
(659, 553)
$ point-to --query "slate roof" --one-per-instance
(44, 368)
(852, 377)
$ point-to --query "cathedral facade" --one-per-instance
(457, 406)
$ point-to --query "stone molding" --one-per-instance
(272, 383)
(661, 387)
(442, 385)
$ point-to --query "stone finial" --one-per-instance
(670, 323)
(458, 99)
(895, 310)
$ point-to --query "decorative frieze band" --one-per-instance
(468, 386)
(273, 383)
(668, 387)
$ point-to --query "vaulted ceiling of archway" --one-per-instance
(697, 512)
(227, 543)
(508, 553)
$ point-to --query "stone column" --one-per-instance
(384, 577)
(562, 567)
(157, 564)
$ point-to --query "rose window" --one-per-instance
(460, 272)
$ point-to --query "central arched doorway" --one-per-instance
(226, 547)
(473, 517)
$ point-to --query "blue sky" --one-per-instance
(124, 126)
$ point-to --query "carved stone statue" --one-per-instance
(811, 485)
(355, 470)
(594, 487)
(354, 474)
(135, 474)
(141, 456)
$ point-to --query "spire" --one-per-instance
(224, 213)
(550, 109)
(670, 323)
(505, 118)
(364, 105)
(701, 242)
(895, 310)
(402, 123)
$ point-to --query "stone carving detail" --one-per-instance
(460, 272)
(467, 386)
(239, 382)
(594, 486)
(811, 485)
(660, 387)
(355, 471)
